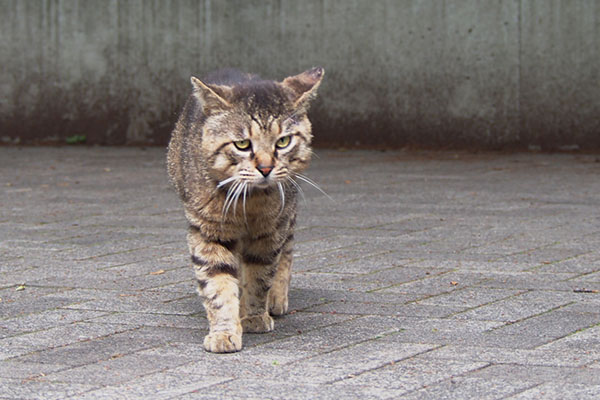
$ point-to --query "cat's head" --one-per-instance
(255, 131)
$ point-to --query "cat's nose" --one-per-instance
(264, 170)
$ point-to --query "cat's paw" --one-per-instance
(278, 303)
(258, 323)
(222, 342)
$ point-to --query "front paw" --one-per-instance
(258, 323)
(222, 342)
(278, 302)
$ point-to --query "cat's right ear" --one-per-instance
(213, 98)
(303, 87)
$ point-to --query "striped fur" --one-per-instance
(234, 157)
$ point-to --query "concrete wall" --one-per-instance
(458, 73)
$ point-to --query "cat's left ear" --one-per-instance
(303, 87)
(213, 98)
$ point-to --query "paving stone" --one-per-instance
(561, 391)
(470, 388)
(154, 386)
(251, 389)
(349, 362)
(147, 319)
(430, 275)
(437, 283)
(510, 310)
(372, 308)
(545, 355)
(553, 324)
(115, 371)
(40, 389)
(94, 350)
(55, 337)
(412, 374)
(469, 297)
(47, 319)
(586, 339)
(26, 370)
(346, 333)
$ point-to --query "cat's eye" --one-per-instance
(283, 142)
(242, 144)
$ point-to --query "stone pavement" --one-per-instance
(429, 276)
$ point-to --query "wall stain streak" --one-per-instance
(454, 73)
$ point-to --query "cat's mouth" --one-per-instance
(262, 183)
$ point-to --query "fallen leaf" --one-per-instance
(159, 272)
(584, 290)
(454, 283)
(106, 169)
(347, 181)
(20, 288)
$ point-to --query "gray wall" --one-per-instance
(443, 73)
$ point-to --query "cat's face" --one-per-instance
(257, 134)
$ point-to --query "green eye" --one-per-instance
(242, 144)
(283, 142)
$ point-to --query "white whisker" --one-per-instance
(244, 202)
(236, 197)
(298, 187)
(229, 198)
(282, 196)
(226, 181)
(313, 184)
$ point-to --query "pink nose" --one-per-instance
(264, 170)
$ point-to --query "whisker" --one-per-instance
(236, 197)
(282, 196)
(244, 202)
(298, 187)
(229, 198)
(313, 184)
(226, 181)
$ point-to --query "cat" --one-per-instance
(234, 158)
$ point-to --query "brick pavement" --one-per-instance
(430, 276)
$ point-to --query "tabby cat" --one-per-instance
(234, 157)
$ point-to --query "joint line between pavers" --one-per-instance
(411, 281)
(387, 364)
(529, 317)
(581, 275)
(523, 390)
(567, 335)
(523, 291)
(537, 267)
(123, 251)
(275, 340)
(527, 251)
(448, 378)
(69, 344)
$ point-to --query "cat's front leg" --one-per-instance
(278, 295)
(260, 266)
(216, 269)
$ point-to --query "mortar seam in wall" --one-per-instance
(519, 66)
